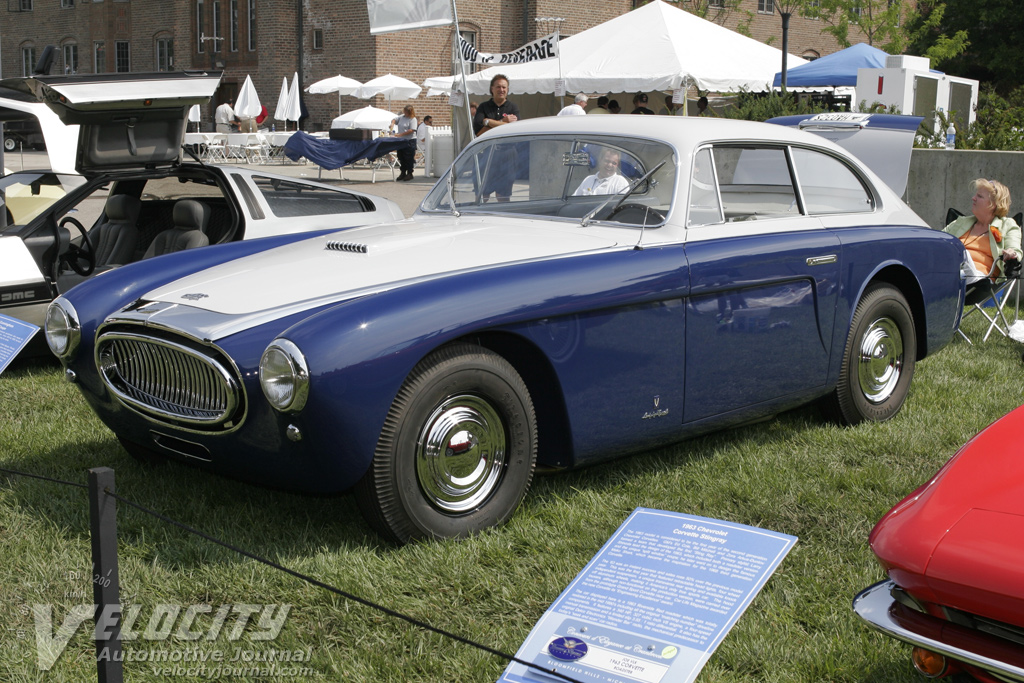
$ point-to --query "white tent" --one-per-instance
(655, 47)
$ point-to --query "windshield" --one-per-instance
(562, 177)
(26, 195)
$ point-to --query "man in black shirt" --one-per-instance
(496, 111)
(640, 104)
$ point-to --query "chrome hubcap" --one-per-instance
(880, 361)
(461, 453)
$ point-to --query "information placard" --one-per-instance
(14, 334)
(654, 603)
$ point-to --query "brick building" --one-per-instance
(272, 39)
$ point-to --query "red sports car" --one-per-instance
(954, 553)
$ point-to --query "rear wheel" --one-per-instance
(457, 451)
(878, 362)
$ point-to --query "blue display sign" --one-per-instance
(654, 603)
(14, 334)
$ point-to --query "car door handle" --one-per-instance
(822, 260)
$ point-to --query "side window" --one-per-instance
(755, 183)
(829, 185)
(292, 200)
(705, 208)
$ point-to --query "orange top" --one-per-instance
(978, 248)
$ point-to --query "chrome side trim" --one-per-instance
(874, 605)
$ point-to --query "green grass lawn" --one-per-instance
(794, 474)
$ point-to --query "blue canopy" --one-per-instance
(838, 68)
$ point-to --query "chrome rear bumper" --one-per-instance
(876, 606)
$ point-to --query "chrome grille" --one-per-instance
(167, 379)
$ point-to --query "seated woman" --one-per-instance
(988, 235)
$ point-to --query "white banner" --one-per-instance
(541, 48)
(387, 16)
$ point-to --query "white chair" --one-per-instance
(236, 144)
(214, 148)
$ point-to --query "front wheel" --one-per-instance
(878, 362)
(457, 451)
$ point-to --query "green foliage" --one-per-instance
(992, 27)
(924, 28)
(878, 20)
(763, 106)
(999, 124)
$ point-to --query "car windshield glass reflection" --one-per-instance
(562, 177)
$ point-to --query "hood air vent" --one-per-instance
(334, 245)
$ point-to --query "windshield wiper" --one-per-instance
(585, 221)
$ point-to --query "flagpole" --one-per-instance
(457, 46)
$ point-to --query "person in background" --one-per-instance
(640, 104)
(577, 108)
(613, 107)
(405, 125)
(262, 115)
(607, 180)
(421, 132)
(224, 117)
(472, 110)
(602, 106)
(670, 108)
(498, 110)
(989, 236)
(702, 107)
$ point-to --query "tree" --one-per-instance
(878, 20)
(927, 38)
(718, 11)
(992, 26)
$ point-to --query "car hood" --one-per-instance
(956, 540)
(360, 261)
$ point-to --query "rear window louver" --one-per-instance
(334, 245)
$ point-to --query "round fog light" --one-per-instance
(284, 376)
(63, 331)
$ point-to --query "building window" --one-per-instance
(122, 56)
(718, 4)
(200, 27)
(469, 37)
(25, 6)
(766, 6)
(99, 57)
(70, 59)
(233, 24)
(252, 25)
(65, 4)
(810, 55)
(164, 54)
(318, 39)
(28, 60)
(216, 25)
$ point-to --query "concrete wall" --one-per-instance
(940, 180)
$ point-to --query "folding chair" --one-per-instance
(989, 294)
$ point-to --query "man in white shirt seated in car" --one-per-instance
(607, 180)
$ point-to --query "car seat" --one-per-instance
(189, 232)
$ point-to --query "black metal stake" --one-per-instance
(105, 585)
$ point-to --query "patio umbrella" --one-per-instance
(339, 84)
(370, 118)
(293, 107)
(247, 104)
(195, 115)
(281, 113)
(391, 86)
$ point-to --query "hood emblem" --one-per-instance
(195, 297)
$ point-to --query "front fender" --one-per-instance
(360, 352)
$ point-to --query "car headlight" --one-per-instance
(63, 331)
(284, 376)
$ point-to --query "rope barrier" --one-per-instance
(308, 579)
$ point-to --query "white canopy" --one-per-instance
(247, 104)
(654, 47)
(369, 117)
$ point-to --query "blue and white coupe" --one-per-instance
(522, 317)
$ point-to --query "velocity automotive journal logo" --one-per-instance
(165, 622)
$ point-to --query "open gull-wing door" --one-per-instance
(882, 141)
(126, 121)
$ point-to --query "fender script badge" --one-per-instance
(194, 297)
(655, 413)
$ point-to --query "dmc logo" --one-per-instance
(194, 297)
(17, 296)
